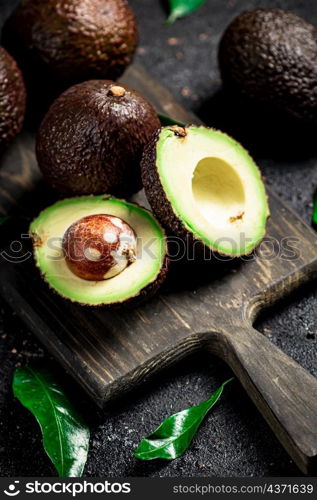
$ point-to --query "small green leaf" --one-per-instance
(180, 8)
(172, 438)
(166, 121)
(4, 219)
(65, 435)
(315, 210)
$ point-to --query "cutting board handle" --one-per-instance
(284, 392)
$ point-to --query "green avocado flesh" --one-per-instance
(48, 230)
(214, 188)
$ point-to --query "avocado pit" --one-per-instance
(99, 247)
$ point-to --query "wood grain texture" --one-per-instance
(209, 305)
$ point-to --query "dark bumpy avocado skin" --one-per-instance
(155, 194)
(271, 55)
(12, 98)
(73, 40)
(91, 141)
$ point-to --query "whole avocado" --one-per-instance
(12, 98)
(271, 55)
(73, 40)
(92, 138)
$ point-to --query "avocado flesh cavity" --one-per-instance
(50, 226)
(213, 187)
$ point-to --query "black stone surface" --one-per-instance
(234, 440)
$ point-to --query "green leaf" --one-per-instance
(172, 438)
(315, 210)
(166, 121)
(65, 435)
(4, 219)
(180, 8)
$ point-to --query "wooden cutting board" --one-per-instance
(210, 306)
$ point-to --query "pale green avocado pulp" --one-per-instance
(214, 188)
(48, 230)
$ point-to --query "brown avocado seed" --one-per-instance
(99, 247)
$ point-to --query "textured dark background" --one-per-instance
(234, 440)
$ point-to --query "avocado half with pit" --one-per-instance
(205, 187)
(99, 250)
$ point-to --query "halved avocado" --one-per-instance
(139, 280)
(205, 187)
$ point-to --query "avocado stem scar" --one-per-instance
(179, 131)
(116, 91)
